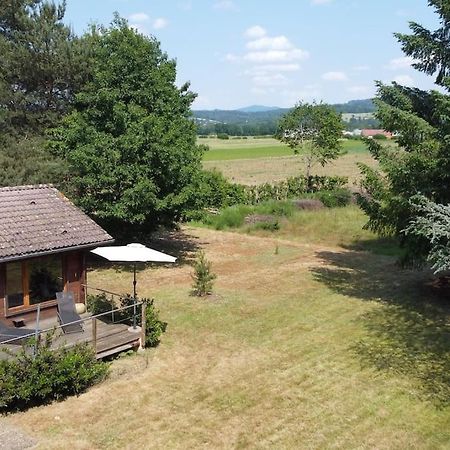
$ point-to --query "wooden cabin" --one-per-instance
(43, 239)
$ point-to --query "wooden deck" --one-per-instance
(107, 339)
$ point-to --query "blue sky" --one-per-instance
(241, 52)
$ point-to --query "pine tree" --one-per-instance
(43, 65)
(421, 162)
(203, 276)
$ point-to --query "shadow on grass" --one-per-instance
(173, 242)
(410, 333)
(387, 246)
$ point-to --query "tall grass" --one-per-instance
(234, 216)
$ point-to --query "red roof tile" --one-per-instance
(40, 219)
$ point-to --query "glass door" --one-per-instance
(14, 285)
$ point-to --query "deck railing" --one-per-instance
(81, 336)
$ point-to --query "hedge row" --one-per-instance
(292, 187)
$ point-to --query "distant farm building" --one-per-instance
(367, 133)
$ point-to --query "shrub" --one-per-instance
(154, 327)
(211, 190)
(380, 137)
(98, 304)
(202, 276)
(223, 136)
(292, 187)
(335, 198)
(232, 217)
(28, 380)
(277, 208)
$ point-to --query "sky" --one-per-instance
(238, 53)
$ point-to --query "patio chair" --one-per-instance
(7, 333)
(67, 314)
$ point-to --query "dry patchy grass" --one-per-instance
(272, 361)
(263, 170)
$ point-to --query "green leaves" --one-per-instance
(130, 141)
(203, 276)
(432, 223)
(43, 65)
(50, 375)
(314, 131)
(420, 163)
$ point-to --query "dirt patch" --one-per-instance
(11, 438)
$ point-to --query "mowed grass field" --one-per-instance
(309, 341)
(255, 161)
(254, 148)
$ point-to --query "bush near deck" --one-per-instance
(28, 380)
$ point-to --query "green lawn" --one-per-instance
(309, 341)
(231, 149)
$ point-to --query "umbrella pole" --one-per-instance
(134, 297)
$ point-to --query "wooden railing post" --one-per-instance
(94, 334)
(143, 324)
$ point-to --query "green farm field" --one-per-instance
(255, 148)
(256, 161)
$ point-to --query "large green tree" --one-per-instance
(313, 131)
(42, 65)
(130, 141)
(421, 162)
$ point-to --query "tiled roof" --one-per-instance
(39, 219)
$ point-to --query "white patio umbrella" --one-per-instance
(133, 253)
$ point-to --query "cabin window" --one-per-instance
(33, 281)
(14, 285)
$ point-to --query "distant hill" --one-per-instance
(257, 119)
(257, 108)
(258, 113)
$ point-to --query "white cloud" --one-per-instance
(294, 67)
(138, 17)
(404, 62)
(268, 61)
(160, 23)
(255, 32)
(404, 80)
(320, 2)
(270, 43)
(271, 49)
(277, 56)
(225, 5)
(334, 76)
